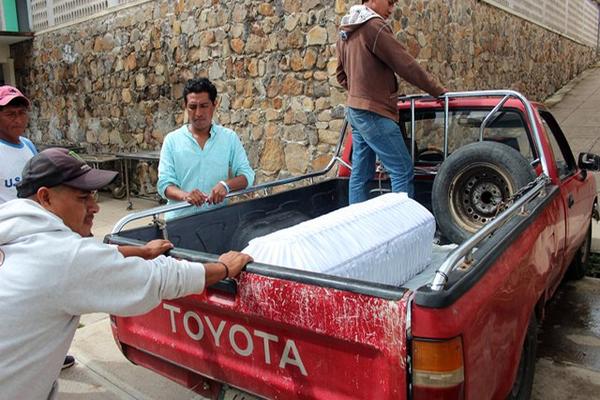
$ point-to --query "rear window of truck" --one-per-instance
(507, 126)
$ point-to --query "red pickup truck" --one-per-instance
(500, 178)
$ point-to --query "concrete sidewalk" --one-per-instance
(576, 106)
(102, 373)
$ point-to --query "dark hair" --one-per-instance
(17, 102)
(200, 85)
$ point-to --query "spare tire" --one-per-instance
(472, 182)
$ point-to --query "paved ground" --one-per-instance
(569, 351)
(576, 106)
(568, 364)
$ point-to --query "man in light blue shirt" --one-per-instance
(201, 162)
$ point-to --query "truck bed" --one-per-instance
(232, 227)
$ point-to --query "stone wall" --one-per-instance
(115, 83)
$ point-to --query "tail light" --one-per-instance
(438, 369)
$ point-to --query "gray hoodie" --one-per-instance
(49, 276)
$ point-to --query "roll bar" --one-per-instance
(505, 95)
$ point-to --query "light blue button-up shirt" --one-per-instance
(185, 164)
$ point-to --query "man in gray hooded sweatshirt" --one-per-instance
(51, 272)
(369, 57)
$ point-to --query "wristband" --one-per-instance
(225, 185)
(226, 268)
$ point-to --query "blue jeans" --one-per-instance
(374, 134)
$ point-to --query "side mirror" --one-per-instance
(589, 161)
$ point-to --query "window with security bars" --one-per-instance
(48, 13)
(575, 19)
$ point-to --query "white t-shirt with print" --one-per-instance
(14, 157)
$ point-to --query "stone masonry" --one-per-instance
(115, 83)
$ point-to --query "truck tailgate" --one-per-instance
(279, 339)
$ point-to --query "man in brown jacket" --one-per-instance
(369, 57)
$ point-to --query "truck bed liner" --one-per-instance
(232, 227)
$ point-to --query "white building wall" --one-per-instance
(575, 19)
(49, 13)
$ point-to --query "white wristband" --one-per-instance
(225, 185)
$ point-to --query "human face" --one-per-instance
(200, 111)
(382, 7)
(74, 206)
(13, 122)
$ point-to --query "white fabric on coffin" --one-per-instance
(387, 239)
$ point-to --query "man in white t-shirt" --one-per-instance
(15, 150)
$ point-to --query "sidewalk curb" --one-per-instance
(558, 96)
(83, 365)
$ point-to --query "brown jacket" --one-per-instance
(368, 57)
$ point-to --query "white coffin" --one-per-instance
(386, 240)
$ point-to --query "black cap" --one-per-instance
(57, 166)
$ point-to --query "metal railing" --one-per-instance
(49, 13)
(464, 253)
(505, 95)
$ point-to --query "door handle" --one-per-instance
(570, 200)
(223, 292)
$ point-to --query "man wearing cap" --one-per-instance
(15, 150)
(51, 272)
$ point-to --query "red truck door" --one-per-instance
(573, 188)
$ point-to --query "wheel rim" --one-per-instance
(475, 194)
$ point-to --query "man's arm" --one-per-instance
(131, 286)
(150, 250)
(220, 190)
(340, 72)
(195, 197)
(241, 170)
(239, 164)
(230, 265)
